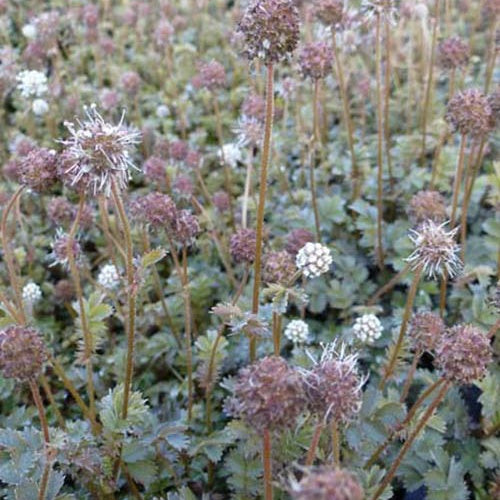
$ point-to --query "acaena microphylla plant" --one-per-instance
(269, 398)
(271, 31)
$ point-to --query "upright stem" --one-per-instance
(347, 118)
(421, 424)
(492, 53)
(387, 92)
(41, 412)
(404, 323)
(87, 336)
(9, 256)
(311, 452)
(389, 285)
(409, 378)
(380, 132)
(188, 326)
(430, 78)
(246, 193)
(276, 333)
(266, 459)
(335, 444)
(312, 161)
(458, 180)
(131, 297)
(266, 153)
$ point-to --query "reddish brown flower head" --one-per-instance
(22, 353)
(183, 186)
(254, 106)
(330, 12)
(470, 113)
(315, 60)
(64, 291)
(453, 53)
(270, 29)
(242, 245)
(211, 76)
(62, 246)
(156, 209)
(155, 169)
(463, 354)
(130, 82)
(178, 150)
(279, 267)
(269, 394)
(185, 228)
(296, 239)
(427, 205)
(60, 211)
(426, 329)
(38, 169)
(221, 201)
(328, 484)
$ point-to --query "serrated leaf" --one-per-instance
(153, 257)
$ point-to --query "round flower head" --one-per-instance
(40, 107)
(131, 82)
(296, 239)
(242, 245)
(22, 353)
(494, 101)
(367, 328)
(453, 53)
(183, 186)
(470, 113)
(32, 83)
(328, 484)
(64, 291)
(98, 154)
(61, 246)
(426, 329)
(31, 293)
(249, 131)
(270, 29)
(279, 267)
(211, 76)
(315, 60)
(333, 386)
(185, 228)
(60, 211)
(463, 354)
(155, 169)
(221, 201)
(269, 394)
(108, 277)
(314, 259)
(156, 209)
(297, 331)
(38, 169)
(330, 12)
(427, 205)
(231, 154)
(436, 251)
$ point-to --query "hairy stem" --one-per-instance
(266, 459)
(37, 398)
(311, 452)
(266, 153)
(335, 444)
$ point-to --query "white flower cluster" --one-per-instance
(367, 328)
(297, 331)
(40, 107)
(32, 83)
(32, 293)
(231, 154)
(108, 277)
(314, 259)
(29, 31)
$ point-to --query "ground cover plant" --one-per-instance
(249, 249)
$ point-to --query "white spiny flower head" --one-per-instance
(40, 107)
(99, 154)
(32, 293)
(108, 277)
(367, 328)
(314, 259)
(32, 83)
(249, 131)
(436, 250)
(297, 331)
(231, 154)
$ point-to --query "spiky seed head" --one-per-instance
(185, 228)
(333, 387)
(426, 329)
(427, 205)
(269, 394)
(326, 483)
(22, 353)
(270, 29)
(314, 259)
(156, 209)
(38, 169)
(211, 76)
(470, 113)
(98, 154)
(436, 251)
(330, 12)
